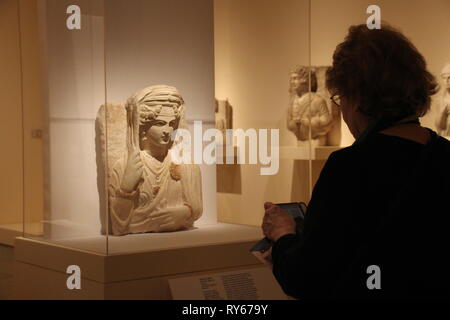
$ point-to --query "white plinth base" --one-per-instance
(138, 267)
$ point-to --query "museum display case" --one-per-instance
(120, 79)
(94, 57)
(108, 74)
(104, 86)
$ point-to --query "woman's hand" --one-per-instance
(172, 219)
(277, 222)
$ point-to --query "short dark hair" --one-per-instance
(382, 72)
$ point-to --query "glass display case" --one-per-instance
(95, 55)
(126, 85)
(100, 59)
(73, 81)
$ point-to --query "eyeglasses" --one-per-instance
(336, 99)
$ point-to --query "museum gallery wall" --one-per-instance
(11, 132)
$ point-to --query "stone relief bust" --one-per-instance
(443, 119)
(147, 191)
(310, 114)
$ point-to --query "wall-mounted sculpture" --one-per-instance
(443, 119)
(147, 191)
(311, 115)
(224, 115)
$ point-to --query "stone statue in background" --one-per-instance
(224, 115)
(310, 114)
(443, 119)
(147, 191)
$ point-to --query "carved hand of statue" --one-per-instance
(172, 219)
(296, 119)
(133, 171)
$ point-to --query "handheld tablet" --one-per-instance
(297, 210)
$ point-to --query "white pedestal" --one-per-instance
(137, 267)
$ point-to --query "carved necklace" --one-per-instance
(158, 171)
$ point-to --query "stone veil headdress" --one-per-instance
(144, 106)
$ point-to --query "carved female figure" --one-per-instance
(309, 116)
(148, 191)
(443, 119)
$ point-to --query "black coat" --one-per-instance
(383, 202)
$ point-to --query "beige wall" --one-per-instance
(11, 109)
(257, 42)
(14, 196)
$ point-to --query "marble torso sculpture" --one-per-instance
(147, 191)
(443, 119)
(310, 116)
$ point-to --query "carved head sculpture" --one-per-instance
(299, 80)
(445, 74)
(153, 114)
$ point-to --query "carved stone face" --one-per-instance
(446, 77)
(158, 132)
(299, 84)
